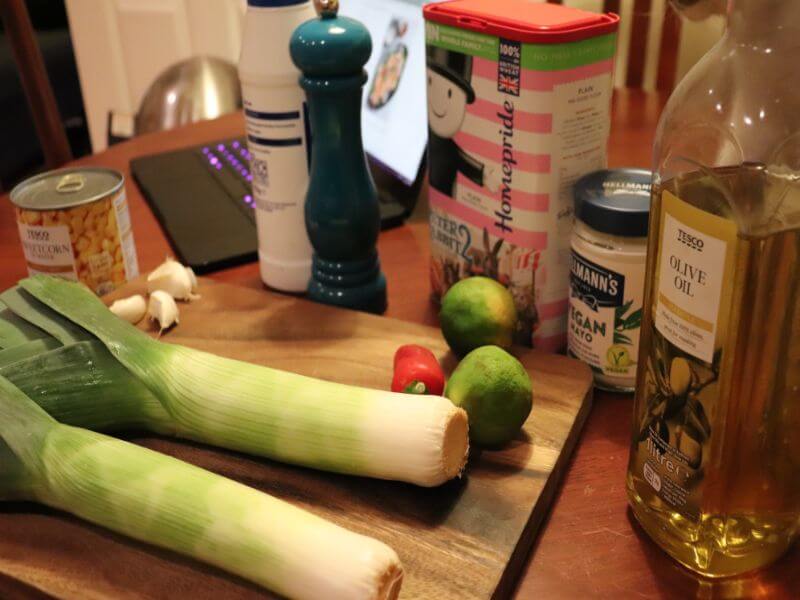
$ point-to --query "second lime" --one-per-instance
(495, 390)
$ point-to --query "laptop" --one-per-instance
(202, 196)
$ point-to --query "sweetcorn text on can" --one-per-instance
(74, 223)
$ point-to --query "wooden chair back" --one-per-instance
(637, 49)
(41, 100)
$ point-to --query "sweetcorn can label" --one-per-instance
(512, 126)
(75, 224)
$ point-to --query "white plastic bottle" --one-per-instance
(278, 139)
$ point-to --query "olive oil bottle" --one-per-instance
(714, 473)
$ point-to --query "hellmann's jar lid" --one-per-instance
(616, 202)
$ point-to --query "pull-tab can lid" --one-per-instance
(65, 188)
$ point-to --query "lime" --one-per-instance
(478, 311)
(495, 390)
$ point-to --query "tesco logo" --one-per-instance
(693, 242)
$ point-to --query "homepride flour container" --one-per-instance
(518, 109)
(609, 251)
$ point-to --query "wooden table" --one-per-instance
(590, 545)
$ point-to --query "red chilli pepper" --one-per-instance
(416, 371)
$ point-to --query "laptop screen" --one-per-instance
(394, 114)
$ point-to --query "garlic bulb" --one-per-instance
(162, 308)
(131, 309)
(174, 279)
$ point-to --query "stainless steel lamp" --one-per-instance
(196, 89)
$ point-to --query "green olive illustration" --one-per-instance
(680, 376)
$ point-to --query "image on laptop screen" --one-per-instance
(394, 113)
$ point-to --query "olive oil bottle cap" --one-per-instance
(616, 202)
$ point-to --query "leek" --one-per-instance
(15, 331)
(83, 385)
(22, 305)
(26, 350)
(165, 502)
(267, 412)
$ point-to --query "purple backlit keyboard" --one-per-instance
(230, 163)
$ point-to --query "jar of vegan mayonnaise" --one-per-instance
(609, 250)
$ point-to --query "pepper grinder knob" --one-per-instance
(327, 9)
(341, 211)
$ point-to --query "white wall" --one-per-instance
(122, 45)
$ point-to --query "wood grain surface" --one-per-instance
(466, 539)
(589, 547)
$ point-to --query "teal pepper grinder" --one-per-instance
(341, 211)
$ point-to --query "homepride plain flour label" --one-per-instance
(512, 126)
(605, 314)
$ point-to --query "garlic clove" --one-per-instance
(131, 309)
(172, 278)
(162, 309)
(193, 279)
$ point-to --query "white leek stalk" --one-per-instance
(165, 502)
(272, 413)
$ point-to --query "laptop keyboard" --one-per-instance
(229, 163)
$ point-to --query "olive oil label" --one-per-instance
(692, 293)
(605, 315)
(695, 261)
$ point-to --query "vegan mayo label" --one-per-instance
(605, 314)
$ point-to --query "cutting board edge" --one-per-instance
(22, 589)
(509, 579)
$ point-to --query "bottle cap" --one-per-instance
(326, 8)
(274, 3)
(616, 202)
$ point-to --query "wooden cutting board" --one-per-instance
(466, 539)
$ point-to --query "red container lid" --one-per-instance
(522, 20)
